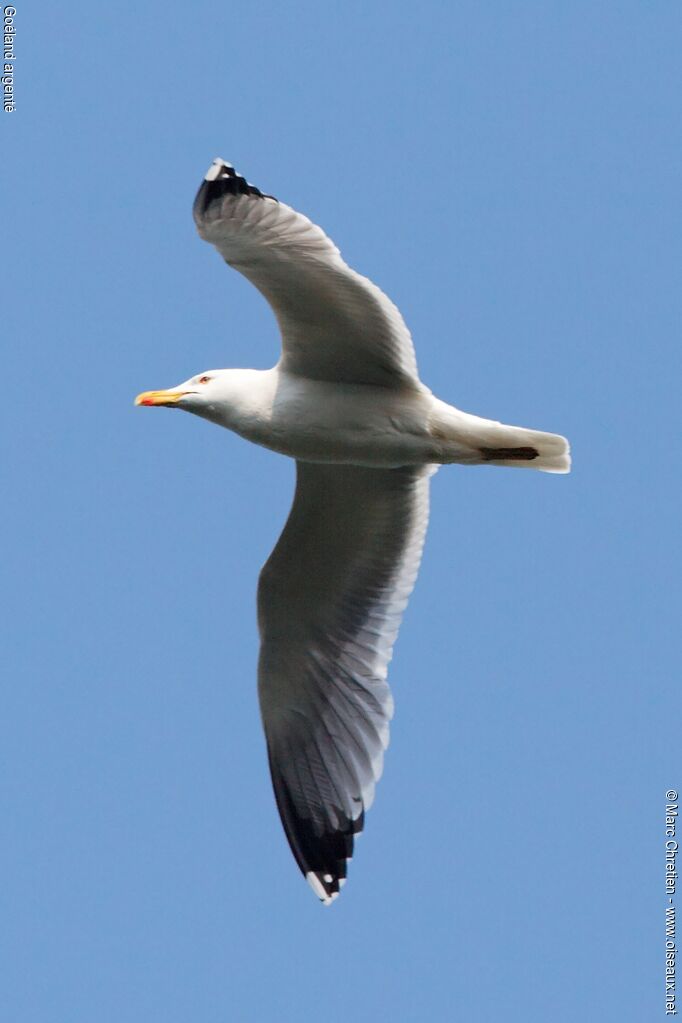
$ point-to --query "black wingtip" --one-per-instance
(320, 850)
(335, 848)
(222, 179)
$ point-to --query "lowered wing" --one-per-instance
(330, 602)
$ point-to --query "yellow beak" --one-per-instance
(159, 397)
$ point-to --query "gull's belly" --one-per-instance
(362, 425)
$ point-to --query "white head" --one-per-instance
(225, 396)
(192, 395)
(216, 394)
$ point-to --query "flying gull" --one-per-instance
(345, 400)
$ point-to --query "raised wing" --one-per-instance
(335, 324)
(330, 602)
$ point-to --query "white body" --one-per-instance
(359, 424)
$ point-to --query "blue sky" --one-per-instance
(509, 174)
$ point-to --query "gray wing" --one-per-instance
(330, 602)
(335, 324)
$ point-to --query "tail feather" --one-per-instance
(472, 440)
(525, 449)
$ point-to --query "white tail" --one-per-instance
(487, 442)
(524, 449)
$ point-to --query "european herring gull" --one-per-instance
(345, 400)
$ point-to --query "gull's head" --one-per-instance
(197, 394)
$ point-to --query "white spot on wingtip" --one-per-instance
(317, 886)
(216, 167)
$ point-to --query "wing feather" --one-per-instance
(335, 324)
(330, 601)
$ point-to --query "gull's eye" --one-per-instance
(204, 380)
